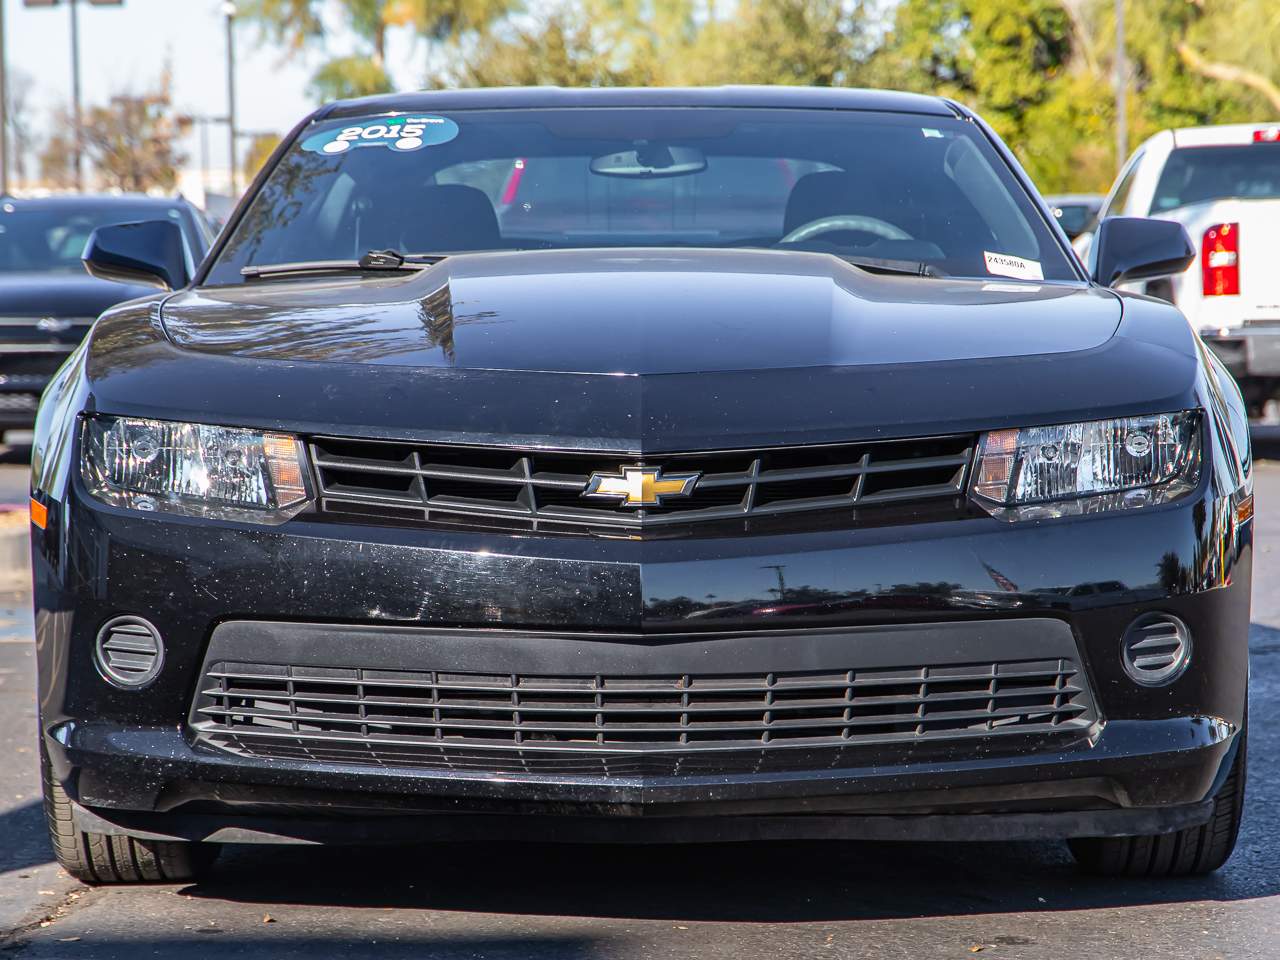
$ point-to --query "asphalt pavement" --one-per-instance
(520, 902)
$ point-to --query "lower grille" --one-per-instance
(19, 402)
(625, 725)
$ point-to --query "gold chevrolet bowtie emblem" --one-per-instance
(641, 486)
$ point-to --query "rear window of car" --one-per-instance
(883, 186)
(1202, 174)
(1075, 217)
(42, 238)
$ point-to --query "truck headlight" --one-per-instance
(194, 469)
(1075, 468)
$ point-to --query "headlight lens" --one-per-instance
(194, 469)
(1075, 468)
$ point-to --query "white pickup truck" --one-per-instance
(1223, 184)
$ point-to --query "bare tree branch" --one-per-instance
(1230, 73)
(1082, 39)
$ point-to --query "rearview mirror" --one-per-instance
(150, 253)
(650, 160)
(1138, 248)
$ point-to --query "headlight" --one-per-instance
(1088, 467)
(194, 469)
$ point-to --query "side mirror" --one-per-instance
(150, 253)
(1136, 248)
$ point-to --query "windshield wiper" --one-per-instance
(375, 261)
(908, 268)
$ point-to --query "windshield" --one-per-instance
(36, 238)
(887, 187)
(1200, 174)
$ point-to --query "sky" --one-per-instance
(124, 48)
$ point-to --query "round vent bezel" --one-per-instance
(127, 680)
(1136, 633)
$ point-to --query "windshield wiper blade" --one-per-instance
(374, 261)
(909, 268)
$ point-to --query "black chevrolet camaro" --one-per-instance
(631, 465)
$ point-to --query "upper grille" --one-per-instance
(614, 724)
(544, 489)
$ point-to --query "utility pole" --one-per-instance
(229, 11)
(203, 123)
(1122, 91)
(781, 589)
(4, 112)
(76, 115)
(77, 154)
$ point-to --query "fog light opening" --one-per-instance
(129, 652)
(1155, 649)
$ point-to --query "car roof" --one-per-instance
(822, 98)
(96, 200)
(1227, 134)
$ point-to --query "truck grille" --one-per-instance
(614, 725)
(544, 490)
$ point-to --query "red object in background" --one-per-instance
(1220, 260)
(1267, 135)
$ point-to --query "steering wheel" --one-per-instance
(846, 221)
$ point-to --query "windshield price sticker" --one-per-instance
(1003, 265)
(402, 134)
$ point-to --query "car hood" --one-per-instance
(642, 351)
(641, 312)
(62, 295)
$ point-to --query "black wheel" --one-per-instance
(1189, 852)
(99, 858)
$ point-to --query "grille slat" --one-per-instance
(609, 723)
(450, 483)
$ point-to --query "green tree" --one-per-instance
(676, 42)
(1236, 44)
(298, 25)
(805, 42)
(260, 150)
(344, 77)
(1009, 59)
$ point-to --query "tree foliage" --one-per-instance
(299, 25)
(1041, 71)
(260, 150)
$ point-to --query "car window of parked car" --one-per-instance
(39, 238)
(1115, 206)
(1075, 218)
(1201, 174)
(892, 186)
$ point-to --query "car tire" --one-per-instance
(98, 859)
(1184, 853)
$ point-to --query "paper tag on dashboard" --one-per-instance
(1003, 265)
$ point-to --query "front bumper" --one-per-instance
(1149, 762)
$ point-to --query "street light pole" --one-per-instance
(75, 93)
(229, 11)
(1122, 91)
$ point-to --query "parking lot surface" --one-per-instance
(537, 901)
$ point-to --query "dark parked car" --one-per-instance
(1076, 213)
(47, 301)
(850, 510)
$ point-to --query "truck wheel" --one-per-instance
(99, 858)
(1189, 852)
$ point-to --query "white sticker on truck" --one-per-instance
(1003, 265)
